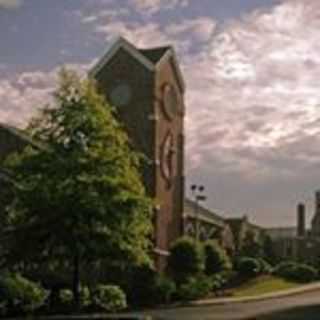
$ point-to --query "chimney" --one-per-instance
(317, 202)
(301, 213)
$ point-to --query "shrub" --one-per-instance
(110, 297)
(141, 286)
(84, 296)
(195, 288)
(20, 294)
(296, 271)
(220, 280)
(65, 297)
(248, 267)
(306, 273)
(265, 267)
(285, 269)
(165, 288)
(216, 258)
(147, 287)
(186, 259)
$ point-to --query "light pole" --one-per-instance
(198, 196)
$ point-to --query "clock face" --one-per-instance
(167, 153)
(121, 95)
(170, 101)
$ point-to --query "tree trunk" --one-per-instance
(76, 281)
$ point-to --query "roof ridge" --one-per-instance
(217, 215)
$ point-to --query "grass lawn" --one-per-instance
(262, 285)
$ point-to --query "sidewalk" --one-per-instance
(267, 296)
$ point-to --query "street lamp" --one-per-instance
(198, 196)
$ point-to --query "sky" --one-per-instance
(252, 70)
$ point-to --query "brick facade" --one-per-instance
(138, 79)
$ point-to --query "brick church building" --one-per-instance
(147, 88)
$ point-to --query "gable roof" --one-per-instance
(150, 58)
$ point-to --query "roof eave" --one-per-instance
(121, 43)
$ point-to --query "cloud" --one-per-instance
(151, 7)
(10, 4)
(182, 36)
(149, 34)
(252, 103)
(252, 123)
(253, 111)
(24, 94)
(251, 67)
(201, 28)
(106, 15)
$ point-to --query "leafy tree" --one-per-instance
(216, 258)
(80, 196)
(186, 259)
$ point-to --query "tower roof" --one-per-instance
(150, 58)
(155, 54)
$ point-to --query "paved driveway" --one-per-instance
(299, 307)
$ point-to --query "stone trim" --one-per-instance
(165, 58)
(161, 252)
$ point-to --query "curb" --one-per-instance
(144, 314)
(267, 296)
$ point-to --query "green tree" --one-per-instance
(80, 196)
(216, 258)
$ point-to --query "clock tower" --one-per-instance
(147, 88)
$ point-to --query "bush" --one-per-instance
(110, 298)
(165, 288)
(285, 269)
(195, 288)
(146, 287)
(66, 297)
(248, 267)
(18, 294)
(306, 273)
(265, 267)
(216, 258)
(296, 271)
(141, 286)
(219, 281)
(84, 296)
(186, 259)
